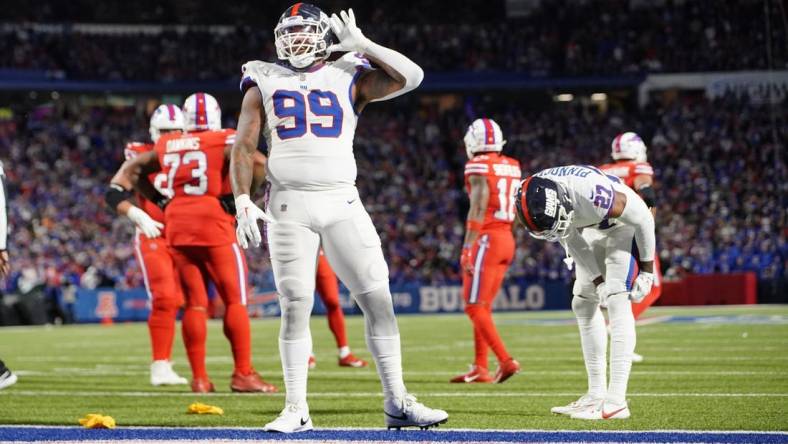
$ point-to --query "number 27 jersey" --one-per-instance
(310, 121)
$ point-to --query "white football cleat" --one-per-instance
(408, 412)
(586, 401)
(294, 418)
(604, 410)
(7, 379)
(161, 373)
(636, 358)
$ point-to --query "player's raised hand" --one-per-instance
(642, 287)
(149, 227)
(247, 215)
(351, 38)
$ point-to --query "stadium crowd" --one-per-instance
(719, 181)
(567, 39)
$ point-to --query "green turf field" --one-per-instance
(726, 373)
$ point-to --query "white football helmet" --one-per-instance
(483, 135)
(302, 35)
(201, 112)
(165, 117)
(628, 146)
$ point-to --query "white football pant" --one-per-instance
(337, 220)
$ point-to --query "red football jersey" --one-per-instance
(627, 170)
(196, 171)
(159, 180)
(503, 175)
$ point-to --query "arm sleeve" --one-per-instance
(637, 214)
(3, 212)
(408, 69)
(580, 251)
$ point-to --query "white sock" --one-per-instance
(295, 361)
(593, 340)
(344, 351)
(622, 344)
(388, 360)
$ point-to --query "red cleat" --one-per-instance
(352, 361)
(506, 370)
(476, 375)
(202, 385)
(251, 383)
(312, 362)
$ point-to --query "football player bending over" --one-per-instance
(614, 259)
(308, 108)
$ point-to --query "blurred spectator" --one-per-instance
(558, 38)
(720, 181)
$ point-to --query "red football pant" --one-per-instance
(327, 287)
(492, 254)
(656, 291)
(158, 273)
(225, 266)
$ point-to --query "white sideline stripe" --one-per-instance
(439, 430)
(13, 392)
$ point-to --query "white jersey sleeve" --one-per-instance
(637, 215)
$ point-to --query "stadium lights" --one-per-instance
(564, 97)
(598, 97)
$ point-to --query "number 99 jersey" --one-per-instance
(196, 171)
(310, 121)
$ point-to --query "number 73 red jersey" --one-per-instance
(503, 175)
(196, 171)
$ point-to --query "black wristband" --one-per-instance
(648, 195)
(115, 195)
(161, 201)
(228, 203)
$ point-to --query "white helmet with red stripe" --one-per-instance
(628, 146)
(165, 117)
(201, 112)
(482, 136)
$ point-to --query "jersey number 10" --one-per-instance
(292, 105)
(506, 190)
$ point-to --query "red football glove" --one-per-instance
(466, 259)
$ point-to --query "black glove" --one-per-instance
(228, 203)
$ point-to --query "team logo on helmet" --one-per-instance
(543, 207)
(302, 35)
(628, 146)
(165, 117)
(483, 135)
(201, 112)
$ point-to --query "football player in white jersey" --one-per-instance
(307, 109)
(608, 231)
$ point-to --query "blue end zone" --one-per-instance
(11, 433)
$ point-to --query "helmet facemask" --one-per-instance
(301, 41)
